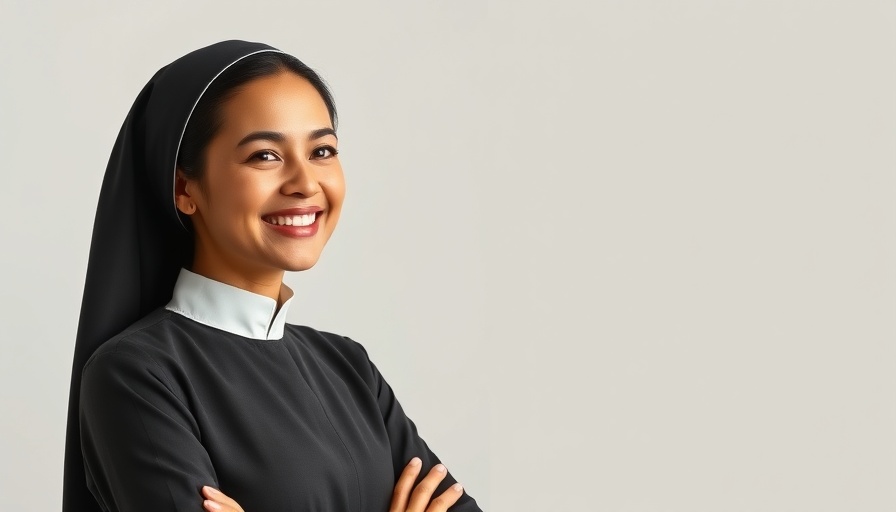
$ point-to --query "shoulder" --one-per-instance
(333, 347)
(326, 340)
(141, 346)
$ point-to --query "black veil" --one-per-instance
(139, 242)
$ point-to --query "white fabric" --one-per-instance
(229, 308)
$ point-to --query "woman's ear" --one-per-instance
(185, 202)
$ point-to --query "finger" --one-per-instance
(216, 497)
(404, 485)
(214, 506)
(446, 499)
(423, 492)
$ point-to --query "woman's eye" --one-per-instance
(265, 156)
(324, 152)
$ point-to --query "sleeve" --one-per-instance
(141, 444)
(406, 443)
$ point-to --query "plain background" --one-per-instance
(612, 255)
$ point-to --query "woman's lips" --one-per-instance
(298, 226)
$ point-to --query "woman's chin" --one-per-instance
(300, 263)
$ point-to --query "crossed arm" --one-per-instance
(405, 498)
(143, 451)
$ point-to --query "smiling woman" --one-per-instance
(189, 389)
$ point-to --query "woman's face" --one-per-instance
(272, 187)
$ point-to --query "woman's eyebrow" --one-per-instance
(262, 135)
(280, 137)
(322, 132)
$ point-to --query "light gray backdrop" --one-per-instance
(612, 255)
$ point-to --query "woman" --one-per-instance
(189, 389)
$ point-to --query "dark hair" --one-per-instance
(206, 119)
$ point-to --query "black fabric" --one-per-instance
(304, 423)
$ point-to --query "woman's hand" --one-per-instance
(405, 497)
(217, 501)
(420, 499)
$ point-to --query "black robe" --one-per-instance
(303, 423)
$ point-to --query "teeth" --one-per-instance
(293, 220)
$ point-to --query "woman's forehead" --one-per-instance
(284, 102)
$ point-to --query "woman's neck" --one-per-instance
(267, 283)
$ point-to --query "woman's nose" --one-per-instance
(301, 180)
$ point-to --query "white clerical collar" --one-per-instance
(229, 308)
